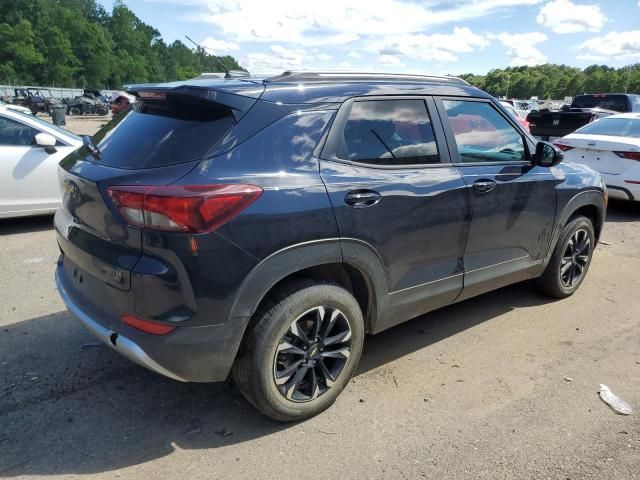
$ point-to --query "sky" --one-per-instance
(402, 36)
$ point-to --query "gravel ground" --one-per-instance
(477, 390)
(81, 124)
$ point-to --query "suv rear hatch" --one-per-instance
(156, 142)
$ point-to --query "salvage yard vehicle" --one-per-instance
(86, 104)
(584, 109)
(18, 108)
(259, 228)
(30, 150)
(37, 100)
(610, 146)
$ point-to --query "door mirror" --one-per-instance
(547, 155)
(46, 141)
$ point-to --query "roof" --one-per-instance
(319, 87)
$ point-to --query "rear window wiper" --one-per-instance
(93, 149)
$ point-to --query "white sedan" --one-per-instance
(610, 146)
(30, 150)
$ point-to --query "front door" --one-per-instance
(386, 168)
(513, 202)
(29, 179)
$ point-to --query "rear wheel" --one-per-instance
(570, 259)
(302, 352)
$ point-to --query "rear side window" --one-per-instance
(389, 132)
(165, 132)
(607, 102)
(482, 134)
(617, 127)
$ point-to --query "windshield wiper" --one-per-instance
(383, 143)
(93, 149)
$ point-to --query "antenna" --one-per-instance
(218, 61)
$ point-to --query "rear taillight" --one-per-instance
(562, 146)
(190, 208)
(146, 326)
(629, 155)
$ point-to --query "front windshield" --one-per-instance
(51, 126)
(615, 127)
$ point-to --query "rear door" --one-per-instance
(387, 171)
(512, 202)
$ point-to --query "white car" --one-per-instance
(30, 150)
(610, 146)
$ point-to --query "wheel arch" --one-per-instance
(352, 264)
(591, 204)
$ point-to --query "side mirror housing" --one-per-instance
(547, 155)
(46, 141)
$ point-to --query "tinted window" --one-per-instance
(389, 132)
(15, 133)
(608, 102)
(617, 127)
(482, 134)
(159, 133)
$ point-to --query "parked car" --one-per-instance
(610, 146)
(584, 109)
(261, 227)
(17, 108)
(509, 107)
(30, 150)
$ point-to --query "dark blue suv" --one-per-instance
(259, 228)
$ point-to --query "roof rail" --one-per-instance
(302, 76)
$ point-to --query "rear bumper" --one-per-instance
(189, 354)
(618, 188)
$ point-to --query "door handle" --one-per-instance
(362, 198)
(484, 186)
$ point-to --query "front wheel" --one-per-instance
(302, 351)
(570, 260)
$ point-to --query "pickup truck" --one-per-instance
(584, 109)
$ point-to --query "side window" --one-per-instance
(14, 133)
(389, 132)
(482, 134)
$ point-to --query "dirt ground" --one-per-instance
(477, 390)
(81, 124)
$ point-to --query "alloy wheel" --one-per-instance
(575, 258)
(312, 353)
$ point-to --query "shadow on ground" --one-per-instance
(68, 406)
(621, 211)
(13, 226)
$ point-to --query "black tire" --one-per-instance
(560, 280)
(261, 356)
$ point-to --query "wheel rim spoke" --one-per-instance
(286, 347)
(312, 354)
(298, 332)
(326, 374)
(575, 258)
(283, 376)
(292, 386)
(342, 352)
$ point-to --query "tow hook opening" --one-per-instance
(112, 338)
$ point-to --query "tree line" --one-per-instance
(77, 43)
(557, 81)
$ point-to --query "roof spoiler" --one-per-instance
(239, 102)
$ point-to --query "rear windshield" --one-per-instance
(157, 133)
(617, 127)
(607, 102)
